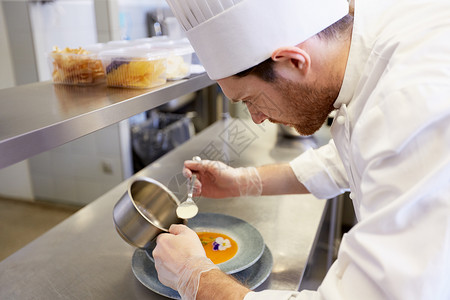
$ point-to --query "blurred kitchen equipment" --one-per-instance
(155, 21)
(147, 209)
(159, 134)
(161, 22)
(188, 209)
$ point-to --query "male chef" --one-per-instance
(384, 67)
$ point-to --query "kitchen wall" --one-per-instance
(15, 181)
(6, 71)
(134, 16)
(80, 171)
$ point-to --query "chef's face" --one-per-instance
(303, 106)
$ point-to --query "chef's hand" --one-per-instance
(180, 259)
(217, 180)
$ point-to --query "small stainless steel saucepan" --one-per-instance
(147, 209)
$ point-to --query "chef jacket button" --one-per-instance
(351, 196)
(332, 114)
(340, 120)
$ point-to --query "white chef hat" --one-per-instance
(230, 36)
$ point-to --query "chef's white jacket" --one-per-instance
(391, 149)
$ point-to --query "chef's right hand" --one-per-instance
(217, 180)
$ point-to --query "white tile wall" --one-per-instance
(80, 171)
(134, 16)
(44, 186)
(102, 142)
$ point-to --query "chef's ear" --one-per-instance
(298, 57)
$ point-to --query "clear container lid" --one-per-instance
(117, 44)
(172, 47)
(134, 53)
(95, 48)
(153, 39)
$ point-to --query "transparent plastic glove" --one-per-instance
(180, 260)
(189, 279)
(217, 180)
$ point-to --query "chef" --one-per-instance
(384, 68)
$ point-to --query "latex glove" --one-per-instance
(180, 259)
(218, 180)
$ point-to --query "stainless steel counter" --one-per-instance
(84, 257)
(38, 117)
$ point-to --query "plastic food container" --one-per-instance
(179, 62)
(180, 57)
(75, 67)
(134, 68)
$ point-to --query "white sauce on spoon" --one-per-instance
(187, 212)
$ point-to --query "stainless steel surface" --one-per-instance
(145, 210)
(38, 117)
(84, 257)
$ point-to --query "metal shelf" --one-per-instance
(38, 117)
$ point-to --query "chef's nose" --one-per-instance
(257, 116)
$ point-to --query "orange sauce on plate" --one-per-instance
(218, 250)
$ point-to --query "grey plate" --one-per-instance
(249, 240)
(145, 272)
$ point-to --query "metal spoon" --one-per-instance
(188, 209)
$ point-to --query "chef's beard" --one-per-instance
(308, 106)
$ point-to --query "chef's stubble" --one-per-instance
(310, 105)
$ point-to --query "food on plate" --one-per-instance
(76, 66)
(123, 72)
(218, 247)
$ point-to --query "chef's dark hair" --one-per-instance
(265, 71)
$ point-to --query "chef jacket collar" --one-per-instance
(357, 57)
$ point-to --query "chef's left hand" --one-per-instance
(172, 251)
(180, 259)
